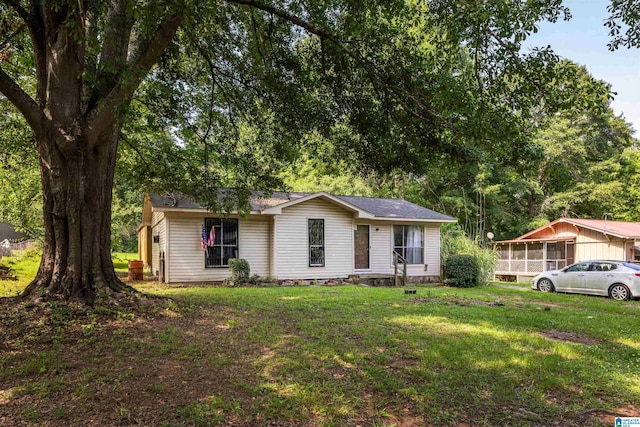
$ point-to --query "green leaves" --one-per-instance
(624, 14)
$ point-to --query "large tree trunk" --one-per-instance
(75, 121)
(77, 188)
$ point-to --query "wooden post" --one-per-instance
(395, 269)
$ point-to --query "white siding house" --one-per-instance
(292, 236)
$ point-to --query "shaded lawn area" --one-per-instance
(323, 356)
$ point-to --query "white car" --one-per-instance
(616, 279)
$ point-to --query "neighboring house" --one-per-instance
(9, 239)
(291, 236)
(565, 241)
(8, 232)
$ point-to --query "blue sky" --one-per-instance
(584, 40)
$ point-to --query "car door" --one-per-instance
(570, 279)
(597, 278)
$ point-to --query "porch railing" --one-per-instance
(399, 262)
(529, 265)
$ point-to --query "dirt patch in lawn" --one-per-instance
(68, 365)
(555, 335)
(458, 301)
(608, 417)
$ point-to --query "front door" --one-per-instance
(361, 245)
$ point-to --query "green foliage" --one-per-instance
(455, 242)
(240, 271)
(624, 24)
(461, 271)
(20, 192)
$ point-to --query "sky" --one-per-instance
(583, 39)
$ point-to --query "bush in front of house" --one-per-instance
(461, 271)
(454, 241)
(240, 271)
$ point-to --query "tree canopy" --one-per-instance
(206, 94)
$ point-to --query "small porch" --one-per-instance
(520, 261)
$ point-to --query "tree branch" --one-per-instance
(134, 148)
(104, 114)
(113, 56)
(377, 80)
(23, 102)
(15, 33)
(36, 30)
(17, 7)
(320, 32)
(514, 54)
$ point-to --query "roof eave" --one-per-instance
(197, 210)
(400, 219)
(599, 230)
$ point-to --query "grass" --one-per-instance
(121, 261)
(24, 265)
(326, 356)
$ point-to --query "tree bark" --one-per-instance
(77, 184)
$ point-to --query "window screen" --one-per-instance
(316, 243)
(408, 241)
(225, 245)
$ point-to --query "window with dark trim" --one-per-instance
(225, 245)
(316, 243)
(408, 241)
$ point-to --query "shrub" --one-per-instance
(455, 242)
(240, 270)
(461, 271)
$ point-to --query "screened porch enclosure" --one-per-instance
(534, 257)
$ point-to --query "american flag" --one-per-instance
(203, 240)
(212, 236)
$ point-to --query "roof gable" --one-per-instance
(361, 213)
(8, 232)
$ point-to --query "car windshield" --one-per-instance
(634, 266)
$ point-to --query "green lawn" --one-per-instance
(121, 261)
(24, 266)
(327, 356)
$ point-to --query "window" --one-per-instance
(225, 245)
(603, 266)
(408, 241)
(583, 266)
(316, 243)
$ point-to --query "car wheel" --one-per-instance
(619, 292)
(545, 285)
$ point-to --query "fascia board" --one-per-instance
(399, 219)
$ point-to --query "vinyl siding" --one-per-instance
(291, 241)
(272, 246)
(186, 258)
(158, 228)
(382, 249)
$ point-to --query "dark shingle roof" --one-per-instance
(393, 208)
(7, 231)
(378, 207)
